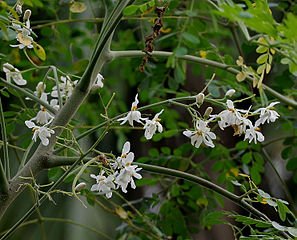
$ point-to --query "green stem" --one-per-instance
(137, 53)
(62, 220)
(5, 144)
(29, 95)
(205, 183)
(284, 185)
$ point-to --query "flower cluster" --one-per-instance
(150, 126)
(238, 119)
(123, 174)
(44, 117)
(23, 30)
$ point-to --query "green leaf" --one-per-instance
(282, 210)
(292, 164)
(77, 7)
(147, 182)
(247, 158)
(180, 51)
(143, 8)
(261, 49)
(190, 38)
(130, 10)
(54, 173)
(242, 145)
(39, 51)
(250, 221)
(213, 218)
(262, 59)
(255, 175)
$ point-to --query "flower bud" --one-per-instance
(8, 66)
(18, 9)
(40, 87)
(208, 111)
(27, 15)
(80, 186)
(230, 92)
(200, 99)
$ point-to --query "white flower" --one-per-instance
(98, 81)
(267, 114)
(42, 132)
(125, 154)
(133, 115)
(66, 87)
(230, 92)
(253, 133)
(23, 37)
(201, 134)
(127, 172)
(104, 185)
(152, 125)
(43, 116)
(126, 176)
(231, 116)
(14, 74)
(19, 9)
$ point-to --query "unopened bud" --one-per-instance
(27, 15)
(200, 99)
(40, 87)
(19, 9)
(80, 186)
(8, 66)
(230, 92)
(208, 111)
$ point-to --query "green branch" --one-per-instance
(64, 161)
(137, 53)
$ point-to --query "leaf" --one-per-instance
(130, 10)
(190, 38)
(282, 210)
(261, 49)
(39, 51)
(278, 226)
(292, 164)
(250, 221)
(213, 218)
(263, 194)
(292, 231)
(143, 8)
(180, 51)
(285, 61)
(54, 173)
(262, 59)
(77, 7)
(247, 157)
(261, 69)
(255, 175)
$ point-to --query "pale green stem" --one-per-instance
(137, 53)
(63, 220)
(62, 161)
(6, 165)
